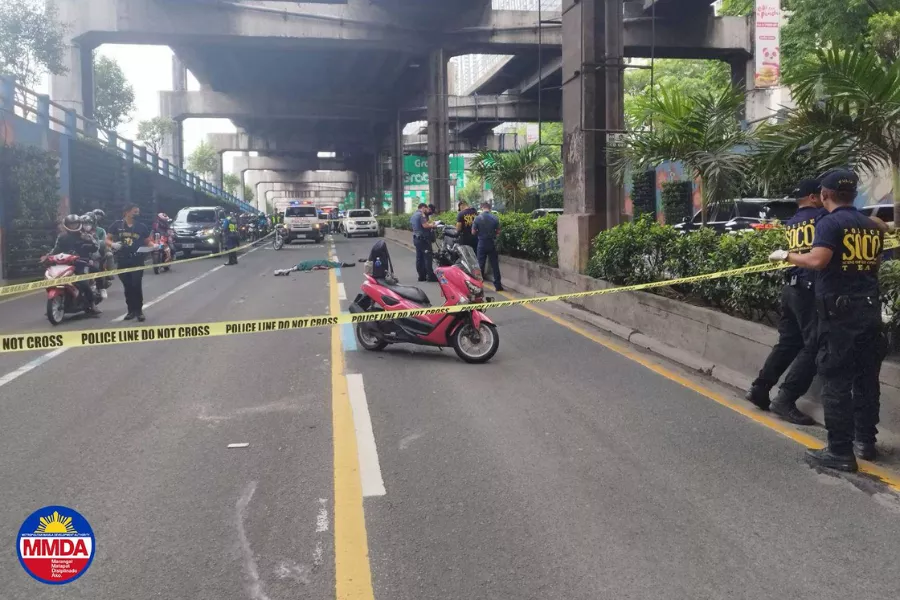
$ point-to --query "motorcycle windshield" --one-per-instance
(468, 262)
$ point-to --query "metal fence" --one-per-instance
(38, 108)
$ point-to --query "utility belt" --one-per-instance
(798, 282)
(835, 306)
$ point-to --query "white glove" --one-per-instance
(778, 256)
(116, 246)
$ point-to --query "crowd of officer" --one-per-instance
(831, 323)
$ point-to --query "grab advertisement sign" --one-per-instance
(768, 40)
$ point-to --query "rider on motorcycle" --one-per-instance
(162, 226)
(89, 228)
(74, 240)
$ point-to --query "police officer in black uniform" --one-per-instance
(847, 253)
(796, 347)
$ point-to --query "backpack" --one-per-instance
(379, 264)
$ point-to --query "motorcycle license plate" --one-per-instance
(187, 246)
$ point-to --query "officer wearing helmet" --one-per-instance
(846, 252)
(74, 240)
(232, 238)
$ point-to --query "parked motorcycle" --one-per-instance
(65, 298)
(280, 235)
(471, 334)
(162, 256)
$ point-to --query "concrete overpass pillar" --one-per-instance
(438, 131)
(173, 146)
(397, 168)
(742, 73)
(74, 89)
(378, 172)
(592, 201)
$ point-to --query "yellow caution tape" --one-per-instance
(21, 342)
(46, 283)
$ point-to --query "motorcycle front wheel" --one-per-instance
(476, 347)
(278, 244)
(56, 309)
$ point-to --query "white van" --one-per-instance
(359, 221)
(303, 222)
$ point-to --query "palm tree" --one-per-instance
(848, 113)
(510, 172)
(701, 131)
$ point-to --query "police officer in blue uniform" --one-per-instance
(847, 253)
(232, 238)
(423, 234)
(796, 347)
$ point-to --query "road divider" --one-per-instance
(20, 288)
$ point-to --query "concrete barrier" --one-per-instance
(726, 348)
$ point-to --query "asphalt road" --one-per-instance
(561, 469)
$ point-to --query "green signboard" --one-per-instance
(415, 171)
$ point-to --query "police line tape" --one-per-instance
(46, 283)
(23, 342)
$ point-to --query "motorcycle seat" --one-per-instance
(407, 291)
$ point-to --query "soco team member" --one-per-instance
(796, 347)
(464, 221)
(126, 237)
(847, 253)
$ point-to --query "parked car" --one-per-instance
(360, 221)
(884, 211)
(745, 213)
(198, 229)
(543, 212)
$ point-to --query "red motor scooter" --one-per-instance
(65, 298)
(471, 334)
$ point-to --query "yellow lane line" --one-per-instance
(890, 478)
(353, 575)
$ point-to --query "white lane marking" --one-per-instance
(256, 589)
(12, 376)
(318, 554)
(30, 365)
(342, 292)
(369, 467)
(239, 445)
(159, 299)
(322, 516)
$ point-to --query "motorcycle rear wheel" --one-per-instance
(368, 340)
(472, 352)
(56, 309)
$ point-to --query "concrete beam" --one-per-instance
(358, 22)
(703, 37)
(210, 104)
(273, 163)
(505, 142)
(289, 144)
(497, 108)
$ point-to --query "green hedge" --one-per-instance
(643, 194)
(677, 202)
(520, 235)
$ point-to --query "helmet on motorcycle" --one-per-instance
(98, 214)
(88, 221)
(72, 223)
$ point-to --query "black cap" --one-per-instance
(807, 187)
(840, 180)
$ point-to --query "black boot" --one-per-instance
(827, 459)
(865, 450)
(789, 412)
(758, 396)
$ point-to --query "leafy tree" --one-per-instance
(701, 131)
(672, 75)
(248, 194)
(552, 133)
(848, 113)
(31, 40)
(154, 131)
(113, 95)
(884, 35)
(510, 172)
(204, 160)
(472, 191)
(231, 182)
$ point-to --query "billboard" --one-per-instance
(767, 35)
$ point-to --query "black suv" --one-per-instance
(198, 229)
(746, 213)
